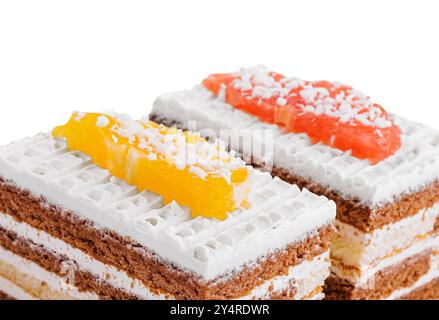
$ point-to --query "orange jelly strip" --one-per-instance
(180, 166)
(328, 112)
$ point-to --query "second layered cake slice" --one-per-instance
(382, 170)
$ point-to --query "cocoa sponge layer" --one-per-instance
(429, 291)
(4, 296)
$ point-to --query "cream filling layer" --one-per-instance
(356, 248)
(305, 278)
(307, 275)
(14, 291)
(55, 282)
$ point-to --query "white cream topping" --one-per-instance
(414, 165)
(281, 214)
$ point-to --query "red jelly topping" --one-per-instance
(328, 112)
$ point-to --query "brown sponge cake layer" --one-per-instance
(429, 291)
(351, 211)
(401, 275)
(141, 263)
(4, 296)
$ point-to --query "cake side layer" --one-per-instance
(414, 166)
(140, 263)
(299, 280)
(384, 282)
(424, 288)
(37, 281)
(30, 288)
(361, 274)
(279, 213)
(71, 258)
(356, 248)
(305, 279)
(49, 286)
(429, 291)
(59, 266)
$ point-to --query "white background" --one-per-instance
(59, 56)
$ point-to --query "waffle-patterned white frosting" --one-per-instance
(280, 213)
(412, 167)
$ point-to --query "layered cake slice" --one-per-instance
(381, 170)
(106, 207)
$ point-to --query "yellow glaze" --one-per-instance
(140, 159)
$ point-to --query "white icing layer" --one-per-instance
(412, 167)
(52, 280)
(356, 248)
(281, 214)
(14, 291)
